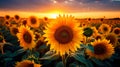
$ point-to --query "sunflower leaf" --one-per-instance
(50, 55)
(60, 64)
(80, 58)
(16, 53)
(89, 63)
(91, 47)
(98, 62)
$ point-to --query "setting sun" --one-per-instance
(53, 16)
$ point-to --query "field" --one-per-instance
(62, 42)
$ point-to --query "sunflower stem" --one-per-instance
(64, 60)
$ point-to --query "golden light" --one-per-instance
(53, 16)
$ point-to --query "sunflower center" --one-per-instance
(17, 17)
(105, 29)
(27, 37)
(7, 17)
(15, 30)
(30, 65)
(100, 49)
(63, 34)
(7, 22)
(98, 37)
(117, 31)
(33, 20)
(24, 22)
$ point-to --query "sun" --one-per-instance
(54, 16)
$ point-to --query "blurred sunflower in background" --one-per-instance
(26, 37)
(104, 29)
(99, 36)
(27, 63)
(7, 18)
(102, 49)
(33, 22)
(63, 35)
(116, 31)
(14, 30)
(95, 31)
(113, 39)
(17, 18)
(24, 22)
(7, 23)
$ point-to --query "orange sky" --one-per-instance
(53, 14)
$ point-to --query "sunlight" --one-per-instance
(53, 16)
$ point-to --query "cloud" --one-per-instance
(68, 5)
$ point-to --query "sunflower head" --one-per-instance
(24, 22)
(14, 30)
(63, 35)
(99, 36)
(17, 18)
(113, 39)
(102, 49)
(7, 17)
(26, 37)
(27, 63)
(88, 31)
(7, 23)
(33, 22)
(105, 29)
(116, 31)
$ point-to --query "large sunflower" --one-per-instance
(26, 37)
(105, 29)
(33, 22)
(27, 63)
(63, 35)
(102, 49)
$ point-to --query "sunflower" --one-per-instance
(7, 17)
(17, 18)
(105, 29)
(27, 63)
(95, 31)
(7, 23)
(102, 49)
(113, 39)
(24, 22)
(98, 36)
(26, 37)
(63, 35)
(33, 22)
(14, 30)
(116, 31)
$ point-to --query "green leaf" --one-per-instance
(90, 47)
(8, 59)
(89, 63)
(98, 62)
(50, 55)
(60, 64)
(16, 53)
(107, 64)
(80, 58)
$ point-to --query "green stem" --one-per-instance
(64, 60)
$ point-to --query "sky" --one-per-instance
(48, 7)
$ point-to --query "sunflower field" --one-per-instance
(61, 42)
